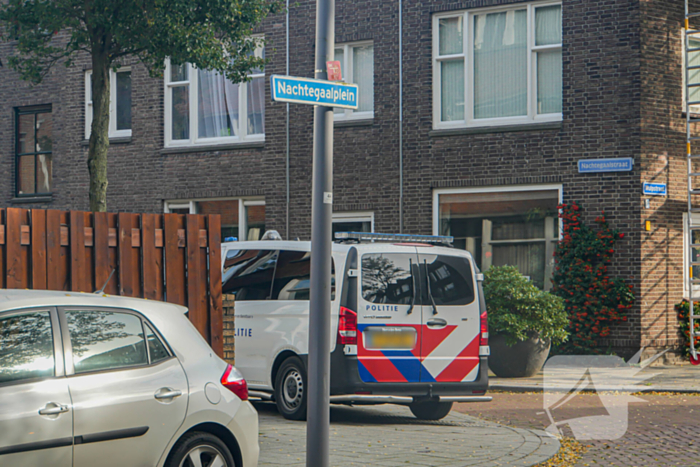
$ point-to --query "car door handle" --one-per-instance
(437, 322)
(167, 393)
(53, 409)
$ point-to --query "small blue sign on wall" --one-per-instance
(654, 189)
(620, 164)
(314, 92)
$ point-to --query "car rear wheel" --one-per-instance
(201, 449)
(290, 389)
(431, 410)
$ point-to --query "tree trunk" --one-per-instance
(99, 135)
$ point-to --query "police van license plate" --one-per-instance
(382, 337)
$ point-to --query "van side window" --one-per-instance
(451, 279)
(248, 273)
(386, 278)
(293, 275)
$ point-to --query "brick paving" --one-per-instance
(663, 430)
(389, 436)
(674, 378)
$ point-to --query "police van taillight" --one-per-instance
(347, 327)
(484, 328)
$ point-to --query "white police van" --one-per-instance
(408, 322)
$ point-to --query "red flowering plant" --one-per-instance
(593, 299)
(683, 310)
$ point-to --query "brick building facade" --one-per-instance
(472, 161)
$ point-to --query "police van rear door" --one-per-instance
(450, 340)
(389, 314)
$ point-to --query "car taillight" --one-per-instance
(347, 327)
(234, 382)
(484, 337)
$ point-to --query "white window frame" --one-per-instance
(191, 204)
(523, 188)
(113, 132)
(355, 216)
(686, 266)
(693, 108)
(497, 189)
(347, 71)
(468, 56)
(192, 82)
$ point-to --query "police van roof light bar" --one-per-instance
(394, 238)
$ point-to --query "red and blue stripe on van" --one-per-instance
(417, 365)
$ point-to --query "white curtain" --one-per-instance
(217, 105)
(549, 66)
(548, 25)
(451, 39)
(500, 64)
(256, 106)
(363, 76)
(549, 77)
(452, 89)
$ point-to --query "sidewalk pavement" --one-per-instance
(670, 378)
(391, 436)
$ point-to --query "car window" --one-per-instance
(26, 347)
(248, 273)
(386, 278)
(293, 276)
(451, 281)
(105, 340)
(156, 348)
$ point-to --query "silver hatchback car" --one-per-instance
(88, 380)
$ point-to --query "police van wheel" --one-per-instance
(430, 410)
(290, 389)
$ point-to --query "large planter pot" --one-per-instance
(523, 359)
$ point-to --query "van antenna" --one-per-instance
(102, 290)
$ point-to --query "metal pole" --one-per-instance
(286, 165)
(318, 412)
(400, 117)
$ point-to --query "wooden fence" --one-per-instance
(169, 257)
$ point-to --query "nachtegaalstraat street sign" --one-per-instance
(313, 92)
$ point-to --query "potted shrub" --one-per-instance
(523, 322)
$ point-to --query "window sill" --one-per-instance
(351, 123)
(496, 129)
(119, 140)
(212, 147)
(32, 199)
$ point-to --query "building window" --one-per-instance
(119, 103)
(694, 271)
(353, 222)
(33, 151)
(517, 227)
(222, 111)
(693, 75)
(357, 66)
(238, 216)
(497, 67)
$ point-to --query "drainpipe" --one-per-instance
(287, 126)
(400, 117)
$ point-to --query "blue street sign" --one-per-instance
(654, 189)
(313, 92)
(621, 164)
